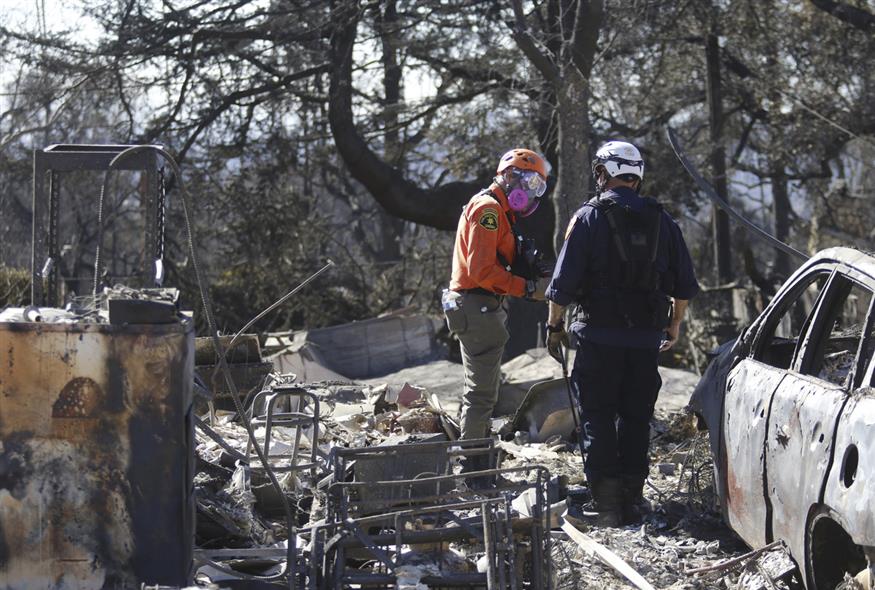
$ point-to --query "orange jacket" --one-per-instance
(484, 232)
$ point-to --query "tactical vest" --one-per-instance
(628, 290)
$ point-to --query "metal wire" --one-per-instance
(279, 302)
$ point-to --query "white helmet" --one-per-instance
(619, 157)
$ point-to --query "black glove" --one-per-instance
(557, 337)
(535, 289)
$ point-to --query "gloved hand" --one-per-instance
(535, 289)
(671, 336)
(557, 338)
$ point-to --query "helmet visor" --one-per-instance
(533, 182)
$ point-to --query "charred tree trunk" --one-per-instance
(777, 170)
(574, 129)
(566, 67)
(781, 212)
(391, 229)
(719, 218)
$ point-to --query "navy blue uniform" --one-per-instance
(615, 369)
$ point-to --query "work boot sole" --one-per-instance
(582, 518)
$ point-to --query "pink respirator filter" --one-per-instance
(519, 201)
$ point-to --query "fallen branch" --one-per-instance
(731, 563)
(766, 576)
(593, 547)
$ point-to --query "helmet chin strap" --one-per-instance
(601, 179)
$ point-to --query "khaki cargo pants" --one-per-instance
(479, 323)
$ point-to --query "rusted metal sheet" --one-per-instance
(96, 460)
(850, 486)
(800, 435)
(748, 392)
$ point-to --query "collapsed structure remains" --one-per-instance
(134, 455)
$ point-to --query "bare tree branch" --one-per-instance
(526, 43)
(73, 92)
(235, 97)
(438, 207)
(856, 17)
(584, 41)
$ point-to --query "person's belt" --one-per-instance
(479, 291)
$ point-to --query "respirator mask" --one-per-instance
(525, 197)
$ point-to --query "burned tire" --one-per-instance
(830, 553)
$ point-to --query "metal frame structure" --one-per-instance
(380, 524)
(48, 164)
(292, 419)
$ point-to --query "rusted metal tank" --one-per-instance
(96, 461)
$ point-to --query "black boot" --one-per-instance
(607, 495)
(477, 463)
(635, 507)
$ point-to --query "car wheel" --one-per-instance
(830, 552)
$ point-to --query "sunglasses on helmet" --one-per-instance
(618, 160)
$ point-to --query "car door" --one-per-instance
(750, 385)
(806, 406)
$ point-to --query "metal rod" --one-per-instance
(447, 534)
(369, 544)
(571, 399)
(537, 538)
(399, 542)
(501, 544)
(467, 524)
(241, 553)
(511, 550)
(414, 448)
(358, 578)
(470, 474)
(279, 302)
(219, 440)
(735, 561)
(424, 510)
(489, 547)
(548, 562)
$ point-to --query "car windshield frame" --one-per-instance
(782, 301)
(833, 298)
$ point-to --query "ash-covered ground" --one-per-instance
(683, 530)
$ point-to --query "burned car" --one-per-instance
(790, 409)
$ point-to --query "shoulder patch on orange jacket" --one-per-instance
(489, 219)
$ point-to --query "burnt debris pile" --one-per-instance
(324, 481)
